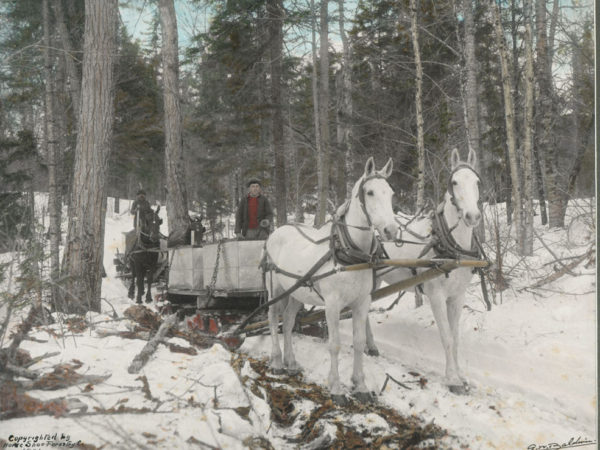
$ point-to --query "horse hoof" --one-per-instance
(365, 397)
(149, 300)
(138, 301)
(340, 400)
(277, 371)
(460, 389)
(372, 352)
(130, 295)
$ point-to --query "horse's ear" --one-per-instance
(472, 158)
(369, 167)
(454, 159)
(157, 209)
(387, 169)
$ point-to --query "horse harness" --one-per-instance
(443, 243)
(342, 249)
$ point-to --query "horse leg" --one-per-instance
(289, 318)
(332, 314)
(455, 306)
(440, 312)
(275, 362)
(371, 348)
(360, 313)
(150, 280)
(140, 285)
(131, 291)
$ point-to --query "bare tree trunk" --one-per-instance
(177, 209)
(471, 98)
(544, 127)
(583, 127)
(418, 104)
(552, 32)
(323, 157)
(275, 20)
(51, 156)
(509, 117)
(527, 233)
(85, 242)
(69, 56)
(346, 107)
(471, 90)
(315, 92)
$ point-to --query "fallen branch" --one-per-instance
(37, 359)
(389, 377)
(556, 258)
(142, 358)
(20, 371)
(556, 275)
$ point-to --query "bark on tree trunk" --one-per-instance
(323, 157)
(51, 157)
(69, 57)
(315, 92)
(177, 209)
(275, 20)
(544, 126)
(418, 105)
(345, 110)
(85, 243)
(509, 114)
(527, 241)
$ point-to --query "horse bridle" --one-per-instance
(450, 188)
(344, 235)
(361, 197)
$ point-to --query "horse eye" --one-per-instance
(370, 193)
(454, 182)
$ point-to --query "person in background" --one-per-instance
(254, 214)
(140, 204)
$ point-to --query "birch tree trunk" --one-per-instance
(51, 157)
(177, 209)
(471, 90)
(85, 242)
(544, 127)
(275, 20)
(74, 86)
(509, 117)
(527, 241)
(418, 104)
(345, 109)
(323, 157)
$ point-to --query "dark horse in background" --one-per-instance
(144, 255)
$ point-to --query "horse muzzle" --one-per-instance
(472, 219)
(390, 231)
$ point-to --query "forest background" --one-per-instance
(297, 93)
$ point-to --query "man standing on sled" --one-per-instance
(254, 214)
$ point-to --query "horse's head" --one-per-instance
(375, 195)
(463, 187)
(150, 224)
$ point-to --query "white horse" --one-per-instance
(293, 251)
(460, 211)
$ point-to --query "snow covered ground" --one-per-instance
(531, 362)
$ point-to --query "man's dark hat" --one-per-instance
(253, 181)
(141, 192)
